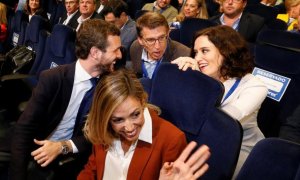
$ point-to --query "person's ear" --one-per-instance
(140, 40)
(94, 52)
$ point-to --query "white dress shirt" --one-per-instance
(69, 17)
(116, 162)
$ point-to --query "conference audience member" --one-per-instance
(116, 12)
(292, 14)
(48, 138)
(72, 14)
(3, 27)
(191, 9)
(162, 7)
(129, 138)
(222, 53)
(153, 45)
(248, 25)
(33, 7)
(87, 10)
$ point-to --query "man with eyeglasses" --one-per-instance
(153, 45)
(248, 25)
(72, 14)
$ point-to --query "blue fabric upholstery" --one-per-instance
(191, 25)
(175, 35)
(36, 39)
(190, 101)
(272, 158)
(60, 48)
(18, 28)
(276, 52)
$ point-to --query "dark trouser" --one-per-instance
(65, 169)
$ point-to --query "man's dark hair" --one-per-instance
(117, 7)
(94, 32)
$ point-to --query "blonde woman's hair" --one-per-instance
(291, 3)
(203, 14)
(111, 91)
(3, 13)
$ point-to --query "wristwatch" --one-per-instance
(64, 148)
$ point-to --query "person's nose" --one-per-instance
(119, 54)
(129, 126)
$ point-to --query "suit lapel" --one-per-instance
(243, 25)
(143, 152)
(101, 162)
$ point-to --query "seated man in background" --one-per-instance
(153, 45)
(116, 12)
(87, 9)
(162, 7)
(248, 25)
(71, 15)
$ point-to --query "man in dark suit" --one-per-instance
(71, 15)
(116, 12)
(248, 25)
(47, 137)
(87, 9)
(153, 45)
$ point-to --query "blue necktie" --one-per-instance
(85, 105)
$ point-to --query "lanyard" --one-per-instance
(145, 73)
(233, 87)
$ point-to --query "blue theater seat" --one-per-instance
(59, 49)
(190, 100)
(277, 56)
(272, 158)
(191, 25)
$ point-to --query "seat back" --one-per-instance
(190, 101)
(19, 23)
(272, 158)
(35, 39)
(57, 13)
(267, 12)
(59, 48)
(277, 63)
(191, 25)
(175, 35)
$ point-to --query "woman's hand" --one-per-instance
(186, 62)
(188, 166)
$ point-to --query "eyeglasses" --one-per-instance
(234, 1)
(152, 41)
(69, 2)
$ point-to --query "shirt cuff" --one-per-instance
(74, 148)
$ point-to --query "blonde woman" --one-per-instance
(292, 15)
(3, 26)
(190, 9)
(131, 141)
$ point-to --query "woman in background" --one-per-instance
(191, 9)
(293, 13)
(130, 140)
(33, 7)
(3, 27)
(221, 53)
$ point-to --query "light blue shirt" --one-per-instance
(150, 65)
(81, 85)
(235, 25)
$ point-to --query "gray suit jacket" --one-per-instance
(173, 51)
(128, 35)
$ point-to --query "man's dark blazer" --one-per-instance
(249, 27)
(42, 115)
(173, 51)
(73, 23)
